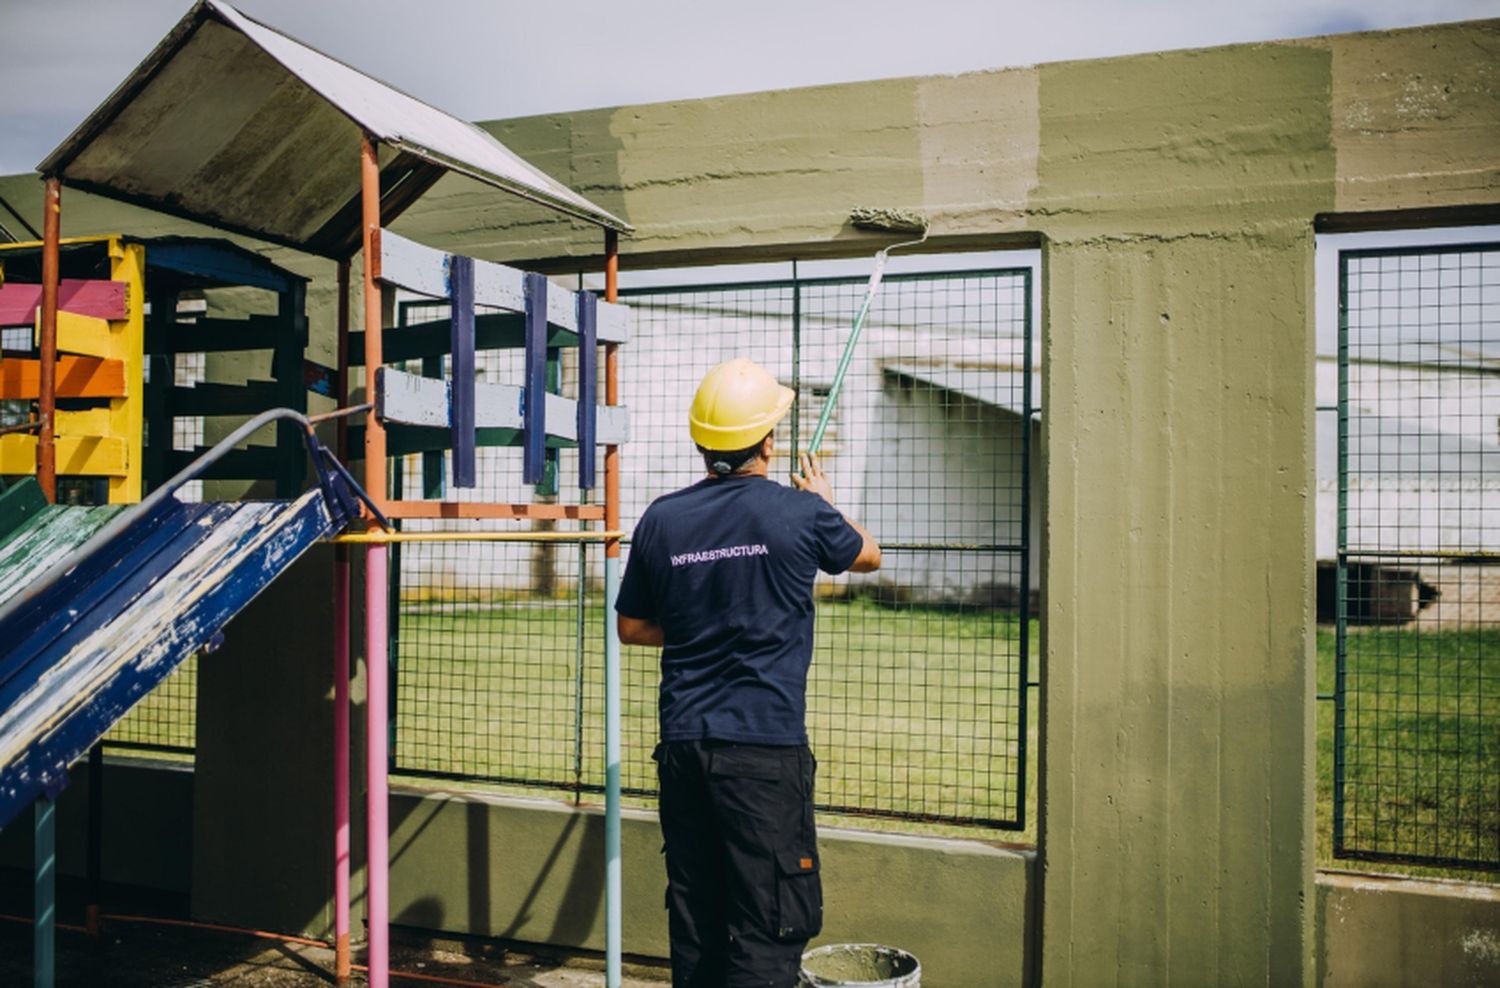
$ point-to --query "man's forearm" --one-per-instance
(638, 631)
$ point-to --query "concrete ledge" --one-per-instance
(1376, 931)
(148, 832)
(531, 870)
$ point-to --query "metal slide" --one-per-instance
(99, 605)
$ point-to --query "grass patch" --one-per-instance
(1422, 746)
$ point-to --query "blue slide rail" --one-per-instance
(101, 628)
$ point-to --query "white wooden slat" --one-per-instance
(612, 425)
(424, 270)
(410, 399)
(613, 322)
(413, 266)
(500, 287)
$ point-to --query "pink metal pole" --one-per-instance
(341, 959)
(341, 763)
(376, 625)
(375, 710)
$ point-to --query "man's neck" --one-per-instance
(759, 467)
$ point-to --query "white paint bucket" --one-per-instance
(860, 965)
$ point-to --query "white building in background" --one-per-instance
(1423, 406)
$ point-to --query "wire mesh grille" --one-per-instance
(166, 719)
(916, 694)
(1417, 693)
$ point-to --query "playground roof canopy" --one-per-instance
(231, 123)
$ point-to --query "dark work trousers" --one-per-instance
(743, 891)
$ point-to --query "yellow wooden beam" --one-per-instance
(127, 415)
(83, 423)
(89, 336)
(88, 456)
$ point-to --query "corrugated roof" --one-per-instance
(232, 123)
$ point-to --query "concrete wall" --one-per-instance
(148, 821)
(530, 870)
(262, 850)
(1378, 931)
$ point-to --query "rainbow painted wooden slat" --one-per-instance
(77, 377)
(92, 297)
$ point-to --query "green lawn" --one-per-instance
(913, 711)
(1422, 743)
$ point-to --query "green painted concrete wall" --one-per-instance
(1174, 196)
(530, 870)
(1177, 718)
(262, 847)
(148, 821)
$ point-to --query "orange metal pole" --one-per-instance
(377, 628)
(370, 210)
(341, 363)
(46, 450)
(612, 396)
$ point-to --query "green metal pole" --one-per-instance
(44, 912)
(612, 890)
(816, 443)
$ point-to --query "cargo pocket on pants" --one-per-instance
(799, 896)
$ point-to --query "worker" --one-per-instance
(720, 577)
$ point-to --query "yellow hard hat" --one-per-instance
(736, 405)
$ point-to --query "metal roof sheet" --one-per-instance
(1002, 388)
(232, 123)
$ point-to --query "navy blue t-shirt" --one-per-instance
(726, 567)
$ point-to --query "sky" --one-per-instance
(488, 60)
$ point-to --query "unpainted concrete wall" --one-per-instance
(1378, 931)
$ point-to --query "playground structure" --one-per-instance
(192, 567)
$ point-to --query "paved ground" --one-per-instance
(142, 955)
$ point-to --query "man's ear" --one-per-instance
(768, 446)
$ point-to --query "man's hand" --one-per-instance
(812, 478)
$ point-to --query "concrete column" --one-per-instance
(1177, 820)
(1177, 832)
(262, 808)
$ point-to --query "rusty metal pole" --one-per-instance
(612, 396)
(377, 597)
(341, 362)
(46, 449)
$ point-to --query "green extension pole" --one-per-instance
(884, 220)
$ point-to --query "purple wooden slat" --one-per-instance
(588, 385)
(534, 403)
(461, 387)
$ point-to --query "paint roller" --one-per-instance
(878, 220)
